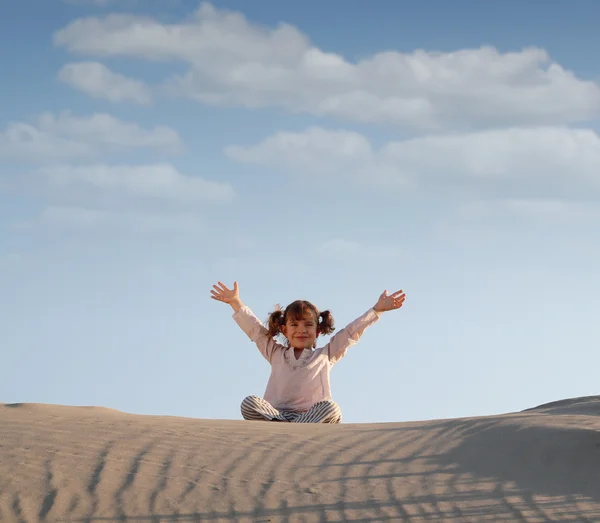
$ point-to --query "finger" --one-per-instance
(397, 293)
(223, 286)
(235, 286)
(214, 293)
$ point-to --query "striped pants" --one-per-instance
(258, 409)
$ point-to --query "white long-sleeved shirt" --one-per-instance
(297, 384)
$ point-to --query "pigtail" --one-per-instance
(276, 320)
(326, 324)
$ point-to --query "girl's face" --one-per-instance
(301, 334)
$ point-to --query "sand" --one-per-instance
(93, 464)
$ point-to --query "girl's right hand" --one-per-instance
(220, 292)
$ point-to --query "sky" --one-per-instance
(319, 151)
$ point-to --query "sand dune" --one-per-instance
(96, 465)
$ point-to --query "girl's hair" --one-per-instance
(297, 310)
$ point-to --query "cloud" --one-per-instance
(86, 219)
(342, 248)
(543, 210)
(515, 221)
(98, 81)
(66, 136)
(158, 182)
(235, 62)
(11, 259)
(541, 161)
(143, 199)
(339, 247)
(171, 4)
(314, 151)
(101, 3)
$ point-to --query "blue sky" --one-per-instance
(323, 152)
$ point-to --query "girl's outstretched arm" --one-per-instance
(246, 319)
(220, 292)
(389, 302)
(349, 335)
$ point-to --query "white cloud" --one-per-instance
(11, 259)
(98, 81)
(232, 61)
(339, 247)
(67, 136)
(313, 151)
(99, 3)
(551, 161)
(133, 199)
(86, 219)
(342, 248)
(510, 221)
(158, 182)
(542, 210)
(171, 4)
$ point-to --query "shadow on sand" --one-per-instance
(536, 472)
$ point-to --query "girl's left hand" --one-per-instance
(390, 302)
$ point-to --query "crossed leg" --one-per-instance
(325, 411)
(257, 409)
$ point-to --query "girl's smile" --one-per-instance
(301, 333)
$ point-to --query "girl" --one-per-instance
(298, 389)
